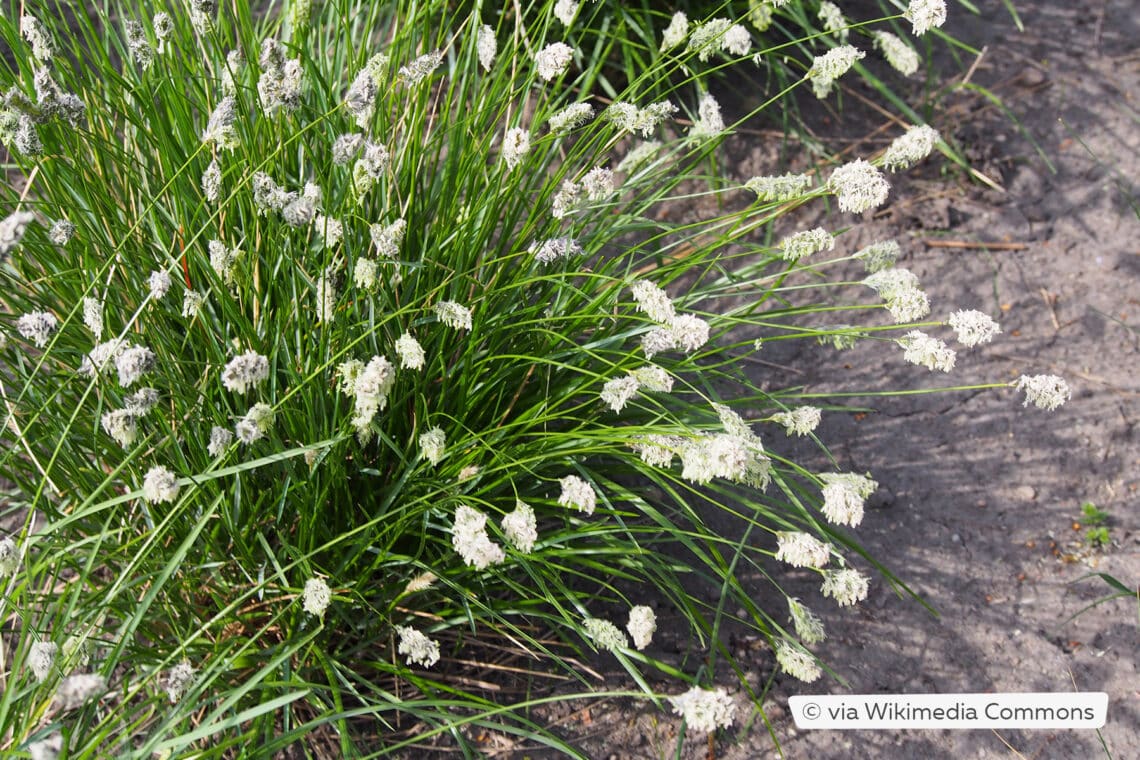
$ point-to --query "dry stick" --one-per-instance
(972, 244)
(1051, 301)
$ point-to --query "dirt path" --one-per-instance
(980, 497)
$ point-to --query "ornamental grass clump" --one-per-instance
(369, 351)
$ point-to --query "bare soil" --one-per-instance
(979, 508)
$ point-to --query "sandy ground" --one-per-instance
(980, 500)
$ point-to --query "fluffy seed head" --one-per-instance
(37, 326)
(521, 528)
(315, 597)
(806, 243)
(927, 351)
(452, 314)
(486, 46)
(830, 66)
(911, 147)
(605, 634)
(554, 249)
(133, 363)
(704, 710)
(799, 421)
(924, 14)
(433, 445)
(781, 188)
(617, 393)
(879, 256)
(1045, 391)
(800, 549)
(245, 371)
(844, 494)
(410, 352)
(160, 485)
(571, 117)
(901, 56)
(676, 32)
(797, 662)
(808, 627)
(469, 539)
(845, 586)
(417, 647)
(516, 145)
(553, 60)
(178, 679)
(642, 625)
(858, 186)
(973, 327)
(578, 493)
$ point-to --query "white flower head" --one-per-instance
(827, 68)
(212, 182)
(578, 493)
(245, 371)
(433, 445)
(9, 557)
(366, 274)
(845, 586)
(132, 363)
(605, 634)
(708, 38)
(38, 327)
(409, 352)
(799, 421)
(879, 256)
(220, 440)
(658, 450)
(704, 710)
(565, 11)
(93, 316)
(121, 425)
(220, 128)
(452, 314)
(566, 200)
(178, 679)
(61, 232)
(326, 295)
(676, 32)
(192, 303)
(617, 393)
(1045, 391)
(858, 186)
(782, 188)
(315, 597)
(800, 549)
(78, 689)
(388, 238)
(805, 243)
(737, 41)
(844, 494)
(469, 539)
(642, 625)
(516, 146)
(417, 647)
(689, 332)
(553, 60)
(653, 302)
(486, 46)
(159, 283)
(552, 250)
(41, 659)
(925, 14)
(911, 147)
(160, 485)
(141, 401)
(629, 118)
(521, 527)
(808, 626)
(12, 229)
(421, 68)
(709, 121)
(598, 183)
(570, 117)
(927, 351)
(654, 378)
(256, 423)
(973, 327)
(43, 48)
(833, 20)
(901, 56)
(47, 749)
(797, 662)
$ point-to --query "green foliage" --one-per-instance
(234, 248)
